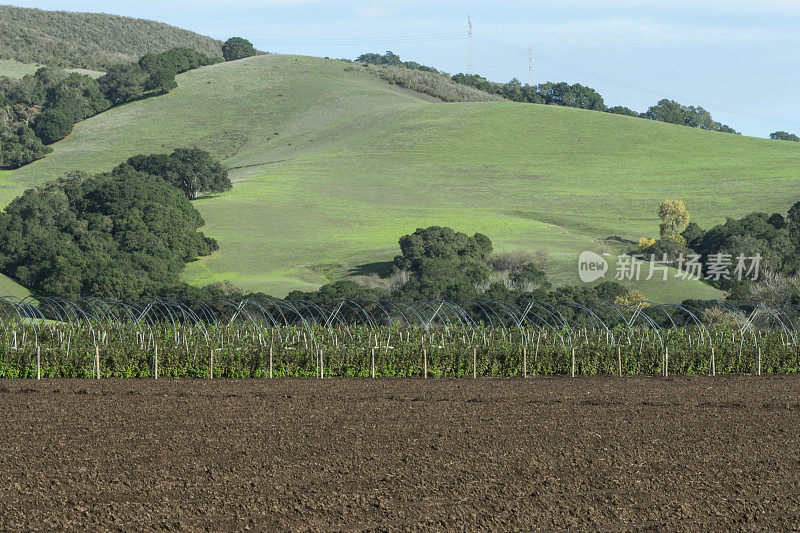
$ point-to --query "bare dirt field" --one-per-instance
(630, 454)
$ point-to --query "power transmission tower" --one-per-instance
(530, 66)
(470, 47)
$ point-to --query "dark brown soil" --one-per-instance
(630, 454)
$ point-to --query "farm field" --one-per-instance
(332, 165)
(621, 454)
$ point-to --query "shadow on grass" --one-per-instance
(367, 269)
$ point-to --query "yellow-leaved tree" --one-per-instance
(674, 219)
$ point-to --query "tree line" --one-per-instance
(583, 97)
(43, 107)
(565, 94)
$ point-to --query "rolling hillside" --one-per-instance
(331, 165)
(88, 40)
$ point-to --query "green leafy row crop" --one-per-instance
(250, 350)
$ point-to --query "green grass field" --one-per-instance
(15, 69)
(331, 165)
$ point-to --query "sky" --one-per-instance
(736, 58)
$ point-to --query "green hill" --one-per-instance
(331, 165)
(89, 40)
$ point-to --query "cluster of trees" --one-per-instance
(191, 170)
(153, 73)
(583, 97)
(775, 237)
(390, 59)
(674, 113)
(564, 94)
(443, 263)
(784, 136)
(440, 263)
(41, 109)
(123, 234)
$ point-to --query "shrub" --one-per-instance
(431, 83)
(645, 243)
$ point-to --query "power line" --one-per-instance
(631, 86)
(471, 36)
(410, 39)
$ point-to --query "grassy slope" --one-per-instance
(88, 40)
(15, 69)
(331, 165)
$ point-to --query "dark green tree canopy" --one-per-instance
(237, 48)
(20, 147)
(160, 79)
(52, 125)
(622, 110)
(390, 59)
(153, 72)
(753, 234)
(692, 234)
(178, 60)
(437, 242)
(191, 170)
(48, 102)
(575, 95)
(122, 83)
(123, 235)
(695, 117)
(784, 136)
(343, 289)
(479, 82)
(78, 96)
